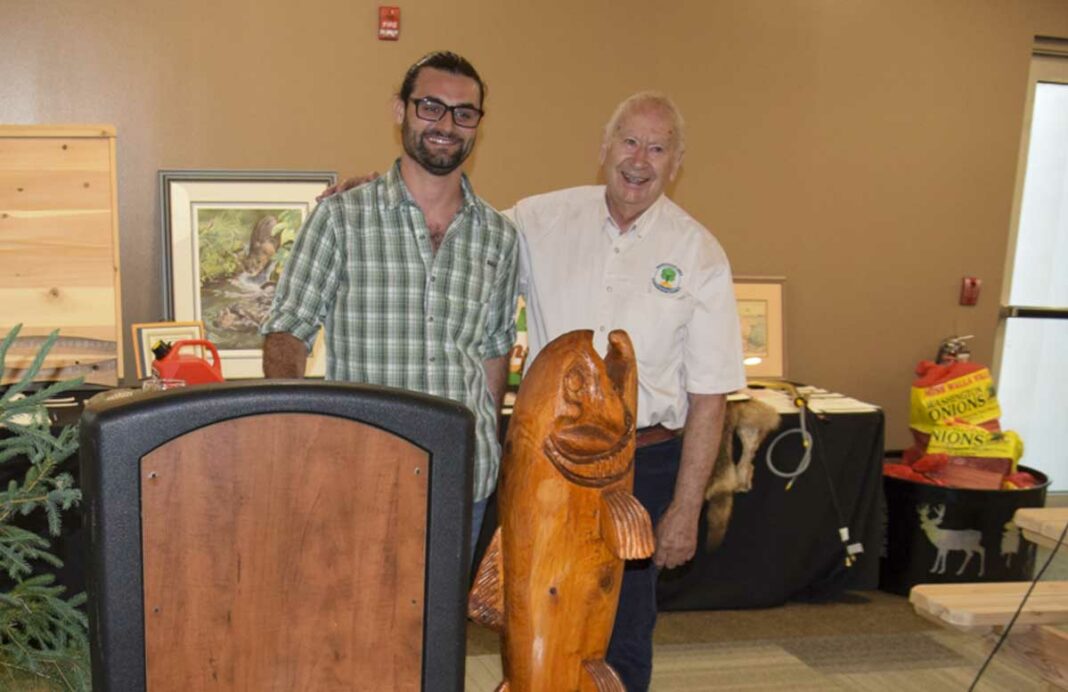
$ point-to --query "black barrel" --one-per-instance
(940, 535)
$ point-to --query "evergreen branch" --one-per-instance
(43, 635)
(34, 368)
(8, 341)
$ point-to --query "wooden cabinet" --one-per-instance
(59, 250)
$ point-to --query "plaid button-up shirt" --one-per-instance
(397, 314)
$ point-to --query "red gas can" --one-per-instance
(172, 363)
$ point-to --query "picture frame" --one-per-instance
(146, 334)
(762, 313)
(226, 236)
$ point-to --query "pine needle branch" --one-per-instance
(43, 633)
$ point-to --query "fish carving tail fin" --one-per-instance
(626, 526)
(602, 676)
(485, 603)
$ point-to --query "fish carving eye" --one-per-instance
(574, 380)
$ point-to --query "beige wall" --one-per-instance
(866, 150)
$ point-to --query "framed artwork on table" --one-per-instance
(226, 238)
(148, 334)
(761, 310)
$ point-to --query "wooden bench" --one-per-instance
(986, 608)
(1042, 525)
(983, 607)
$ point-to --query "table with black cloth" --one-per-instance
(783, 545)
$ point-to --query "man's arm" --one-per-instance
(500, 325)
(496, 379)
(676, 535)
(284, 356)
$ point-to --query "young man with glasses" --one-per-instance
(412, 275)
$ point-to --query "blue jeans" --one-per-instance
(630, 650)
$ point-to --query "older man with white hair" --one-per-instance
(624, 256)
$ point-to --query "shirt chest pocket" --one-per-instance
(466, 297)
(658, 321)
(472, 280)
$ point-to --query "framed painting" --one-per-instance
(761, 310)
(227, 235)
(148, 334)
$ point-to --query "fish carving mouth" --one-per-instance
(589, 455)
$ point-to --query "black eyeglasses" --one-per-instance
(429, 108)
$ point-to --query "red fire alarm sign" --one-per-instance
(969, 290)
(388, 23)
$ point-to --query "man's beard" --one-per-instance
(436, 164)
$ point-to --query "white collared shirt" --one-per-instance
(666, 281)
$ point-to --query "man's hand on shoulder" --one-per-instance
(347, 184)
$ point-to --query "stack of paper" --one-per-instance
(819, 400)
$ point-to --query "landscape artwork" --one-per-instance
(754, 318)
(241, 250)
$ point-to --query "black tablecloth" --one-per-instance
(784, 545)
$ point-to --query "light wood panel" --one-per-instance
(1042, 525)
(284, 552)
(983, 606)
(59, 264)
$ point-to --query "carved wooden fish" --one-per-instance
(549, 582)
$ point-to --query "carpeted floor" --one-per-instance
(866, 641)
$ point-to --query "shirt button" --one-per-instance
(430, 319)
(433, 279)
(601, 328)
(609, 289)
(617, 251)
(422, 235)
(431, 359)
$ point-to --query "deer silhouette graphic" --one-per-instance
(967, 540)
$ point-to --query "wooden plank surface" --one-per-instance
(982, 606)
(32, 153)
(70, 307)
(1042, 525)
(59, 263)
(57, 131)
(284, 552)
(63, 190)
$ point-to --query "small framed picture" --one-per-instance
(761, 310)
(148, 334)
(227, 236)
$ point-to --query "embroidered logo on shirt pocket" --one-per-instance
(667, 278)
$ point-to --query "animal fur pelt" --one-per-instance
(752, 421)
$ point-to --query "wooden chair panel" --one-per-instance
(298, 569)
